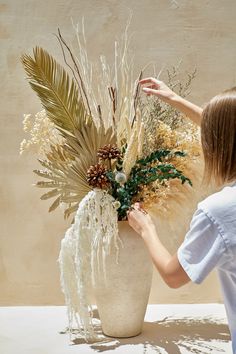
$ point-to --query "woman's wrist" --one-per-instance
(176, 100)
(149, 232)
(188, 108)
(171, 98)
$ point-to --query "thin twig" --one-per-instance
(136, 95)
(113, 95)
(100, 115)
(99, 112)
(77, 70)
(64, 57)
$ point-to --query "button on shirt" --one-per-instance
(211, 242)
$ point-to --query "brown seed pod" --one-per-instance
(108, 152)
(96, 176)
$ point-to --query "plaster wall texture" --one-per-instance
(201, 33)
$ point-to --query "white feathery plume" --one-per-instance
(132, 150)
(94, 232)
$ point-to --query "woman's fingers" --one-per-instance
(150, 80)
(151, 86)
(138, 206)
(150, 91)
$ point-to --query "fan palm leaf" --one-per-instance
(67, 166)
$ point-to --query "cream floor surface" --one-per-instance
(168, 329)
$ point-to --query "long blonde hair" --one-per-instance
(218, 137)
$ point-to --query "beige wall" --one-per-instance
(201, 33)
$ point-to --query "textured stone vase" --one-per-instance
(123, 301)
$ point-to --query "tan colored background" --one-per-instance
(201, 33)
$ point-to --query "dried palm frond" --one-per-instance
(67, 165)
(88, 140)
(65, 178)
(57, 167)
(58, 93)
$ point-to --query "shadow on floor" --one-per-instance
(197, 336)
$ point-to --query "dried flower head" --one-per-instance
(108, 152)
(96, 176)
(42, 133)
(116, 204)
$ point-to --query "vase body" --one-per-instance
(122, 301)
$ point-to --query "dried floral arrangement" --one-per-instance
(101, 143)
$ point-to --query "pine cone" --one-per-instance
(109, 152)
(96, 176)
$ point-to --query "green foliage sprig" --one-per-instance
(145, 171)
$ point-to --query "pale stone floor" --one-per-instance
(168, 329)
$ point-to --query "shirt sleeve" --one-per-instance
(202, 248)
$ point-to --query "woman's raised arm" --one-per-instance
(152, 86)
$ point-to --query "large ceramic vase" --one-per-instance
(122, 302)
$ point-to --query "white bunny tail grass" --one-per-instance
(86, 242)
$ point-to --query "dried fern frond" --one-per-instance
(57, 92)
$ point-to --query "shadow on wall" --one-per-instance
(196, 336)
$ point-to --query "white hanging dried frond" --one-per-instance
(93, 234)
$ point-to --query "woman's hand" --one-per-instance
(140, 220)
(168, 266)
(157, 88)
(161, 90)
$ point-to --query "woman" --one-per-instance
(211, 239)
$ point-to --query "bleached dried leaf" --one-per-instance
(50, 194)
(70, 210)
(42, 173)
(43, 184)
(71, 199)
(55, 204)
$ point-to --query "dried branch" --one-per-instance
(136, 96)
(66, 62)
(113, 96)
(76, 69)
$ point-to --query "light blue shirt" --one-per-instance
(211, 242)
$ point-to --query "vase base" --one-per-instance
(122, 336)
